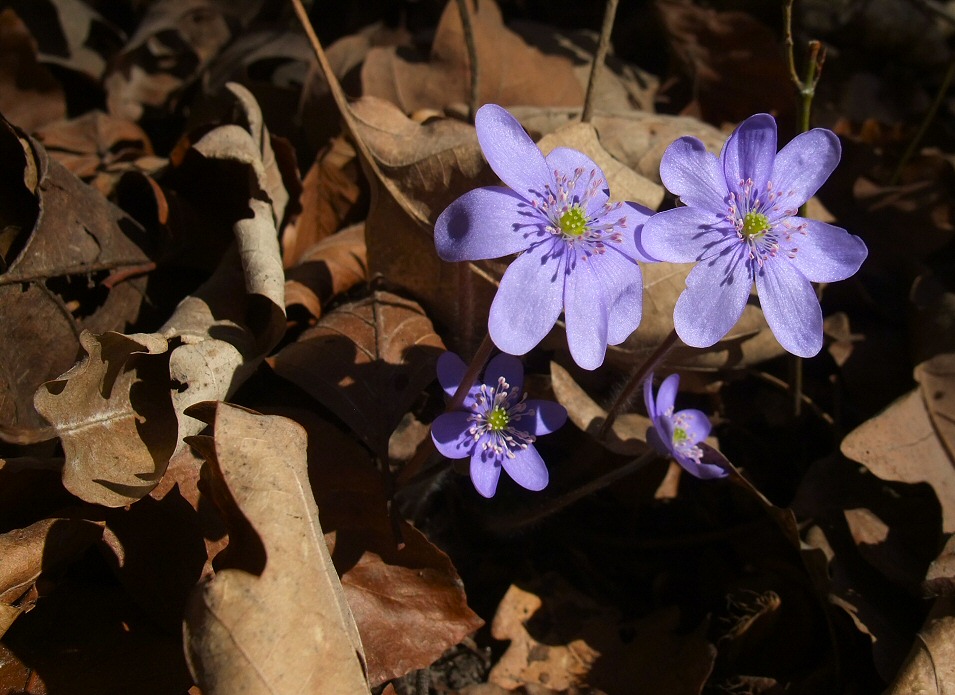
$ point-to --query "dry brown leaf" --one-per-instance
(562, 639)
(98, 148)
(29, 94)
(445, 78)
(912, 440)
(930, 666)
(41, 548)
(59, 242)
(332, 266)
(408, 600)
(731, 59)
(273, 619)
(114, 416)
(329, 194)
(367, 362)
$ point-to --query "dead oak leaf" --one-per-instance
(366, 361)
(511, 71)
(114, 415)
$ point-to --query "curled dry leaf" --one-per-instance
(445, 78)
(39, 549)
(332, 266)
(59, 243)
(913, 439)
(273, 619)
(114, 416)
(367, 362)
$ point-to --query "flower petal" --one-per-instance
(527, 468)
(485, 471)
(548, 416)
(804, 164)
(567, 162)
(790, 306)
(714, 298)
(632, 244)
(586, 311)
(749, 153)
(648, 398)
(511, 153)
(622, 283)
(703, 471)
(689, 171)
(507, 366)
(666, 394)
(684, 235)
(695, 423)
(656, 441)
(486, 222)
(450, 369)
(529, 299)
(450, 434)
(827, 253)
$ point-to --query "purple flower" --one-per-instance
(579, 249)
(678, 434)
(740, 223)
(497, 426)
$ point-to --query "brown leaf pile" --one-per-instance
(222, 310)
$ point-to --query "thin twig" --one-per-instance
(634, 382)
(926, 122)
(470, 376)
(351, 123)
(599, 58)
(467, 22)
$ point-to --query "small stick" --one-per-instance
(599, 58)
(467, 22)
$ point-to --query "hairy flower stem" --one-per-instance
(633, 383)
(414, 471)
(535, 513)
(599, 58)
(807, 90)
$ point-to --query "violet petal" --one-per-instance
(714, 299)
(510, 151)
(689, 171)
(567, 161)
(527, 468)
(804, 164)
(548, 417)
(826, 253)
(686, 234)
(486, 223)
(450, 434)
(749, 153)
(790, 306)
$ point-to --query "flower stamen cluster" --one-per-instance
(493, 414)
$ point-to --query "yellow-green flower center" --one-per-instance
(497, 419)
(679, 435)
(755, 225)
(573, 222)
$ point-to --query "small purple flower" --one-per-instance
(497, 425)
(678, 434)
(579, 249)
(740, 224)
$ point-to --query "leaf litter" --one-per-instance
(223, 307)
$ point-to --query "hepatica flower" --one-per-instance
(497, 426)
(740, 224)
(578, 250)
(678, 434)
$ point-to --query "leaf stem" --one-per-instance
(634, 382)
(470, 376)
(467, 23)
(599, 58)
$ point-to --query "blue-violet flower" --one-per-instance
(678, 434)
(579, 250)
(497, 426)
(740, 224)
